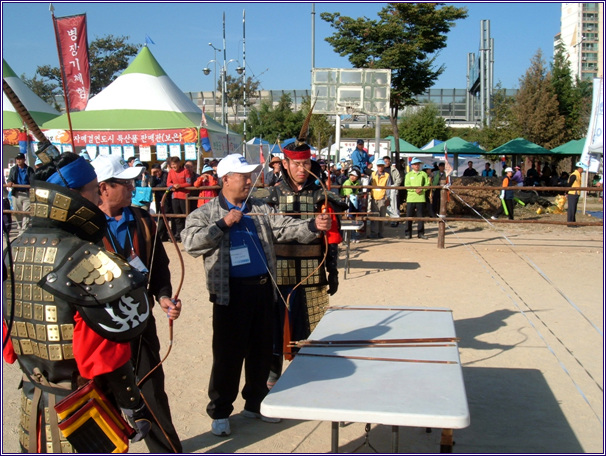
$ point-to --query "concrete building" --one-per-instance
(582, 32)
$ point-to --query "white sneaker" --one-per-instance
(493, 217)
(221, 427)
(267, 419)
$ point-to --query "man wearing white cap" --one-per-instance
(131, 232)
(240, 263)
(415, 199)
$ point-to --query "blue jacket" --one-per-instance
(360, 158)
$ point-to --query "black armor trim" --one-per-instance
(121, 320)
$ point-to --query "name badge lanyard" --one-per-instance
(133, 259)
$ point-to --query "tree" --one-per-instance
(108, 57)
(422, 126)
(574, 103)
(503, 127)
(320, 129)
(271, 123)
(235, 92)
(536, 110)
(405, 39)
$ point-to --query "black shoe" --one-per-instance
(394, 224)
(408, 236)
(380, 236)
(422, 236)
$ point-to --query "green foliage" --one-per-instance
(503, 127)
(108, 57)
(574, 102)
(405, 38)
(269, 122)
(236, 89)
(422, 126)
(321, 131)
(536, 110)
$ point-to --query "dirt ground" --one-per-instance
(528, 304)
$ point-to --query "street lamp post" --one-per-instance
(215, 86)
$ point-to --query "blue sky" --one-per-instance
(278, 37)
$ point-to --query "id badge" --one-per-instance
(239, 255)
(136, 263)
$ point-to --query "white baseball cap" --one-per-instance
(114, 167)
(234, 163)
(509, 170)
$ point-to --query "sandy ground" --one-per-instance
(528, 308)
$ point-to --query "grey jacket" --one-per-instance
(207, 234)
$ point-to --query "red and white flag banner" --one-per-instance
(72, 45)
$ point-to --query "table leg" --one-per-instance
(446, 442)
(334, 443)
(395, 439)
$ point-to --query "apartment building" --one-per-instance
(582, 32)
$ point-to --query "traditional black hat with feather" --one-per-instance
(299, 149)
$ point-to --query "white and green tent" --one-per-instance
(38, 108)
(143, 99)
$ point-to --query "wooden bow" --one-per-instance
(179, 286)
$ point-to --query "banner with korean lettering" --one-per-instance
(72, 45)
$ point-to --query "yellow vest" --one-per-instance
(576, 183)
(382, 181)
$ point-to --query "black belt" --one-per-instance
(254, 280)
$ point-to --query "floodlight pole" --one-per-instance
(215, 86)
(224, 85)
(244, 75)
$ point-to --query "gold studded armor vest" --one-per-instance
(297, 261)
(58, 270)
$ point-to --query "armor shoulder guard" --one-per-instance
(90, 276)
(121, 320)
(272, 197)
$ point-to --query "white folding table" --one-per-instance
(409, 376)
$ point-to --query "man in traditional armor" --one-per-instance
(71, 307)
(300, 195)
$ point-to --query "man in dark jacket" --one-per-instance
(131, 233)
(20, 174)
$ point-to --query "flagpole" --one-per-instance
(202, 121)
(61, 68)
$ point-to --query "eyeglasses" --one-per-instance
(124, 182)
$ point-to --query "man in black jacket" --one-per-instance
(131, 233)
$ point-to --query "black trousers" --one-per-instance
(436, 196)
(242, 334)
(178, 223)
(571, 213)
(415, 210)
(510, 205)
(146, 356)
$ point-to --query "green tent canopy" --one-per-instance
(404, 145)
(456, 145)
(520, 146)
(143, 99)
(573, 147)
